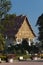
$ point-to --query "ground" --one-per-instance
(23, 63)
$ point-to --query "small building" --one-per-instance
(25, 31)
(20, 30)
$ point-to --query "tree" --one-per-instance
(25, 44)
(5, 6)
(2, 42)
(7, 23)
(40, 28)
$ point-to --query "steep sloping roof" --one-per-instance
(17, 23)
(30, 27)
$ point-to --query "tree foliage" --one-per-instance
(2, 42)
(7, 22)
(40, 27)
(5, 6)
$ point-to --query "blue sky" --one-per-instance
(31, 8)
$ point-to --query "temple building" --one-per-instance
(20, 29)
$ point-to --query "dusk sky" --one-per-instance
(31, 8)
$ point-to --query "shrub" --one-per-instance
(2, 57)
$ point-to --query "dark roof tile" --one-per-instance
(17, 21)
